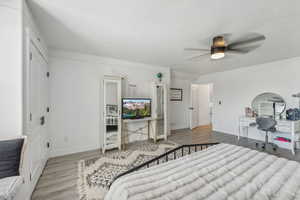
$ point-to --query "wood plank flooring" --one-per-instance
(59, 179)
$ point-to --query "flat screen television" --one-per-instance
(136, 108)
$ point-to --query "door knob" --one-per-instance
(191, 108)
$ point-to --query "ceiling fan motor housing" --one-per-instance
(219, 41)
(215, 49)
(218, 48)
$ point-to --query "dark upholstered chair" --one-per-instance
(11, 160)
(267, 125)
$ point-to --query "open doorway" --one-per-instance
(201, 106)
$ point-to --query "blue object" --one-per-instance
(293, 114)
(159, 76)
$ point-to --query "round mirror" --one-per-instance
(268, 104)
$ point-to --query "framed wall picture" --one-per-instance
(176, 94)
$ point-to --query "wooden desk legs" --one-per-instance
(241, 132)
(148, 130)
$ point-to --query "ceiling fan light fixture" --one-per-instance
(217, 52)
(217, 56)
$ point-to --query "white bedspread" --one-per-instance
(220, 172)
(9, 187)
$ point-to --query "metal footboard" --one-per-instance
(169, 155)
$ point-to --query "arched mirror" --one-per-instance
(268, 104)
(160, 110)
(159, 115)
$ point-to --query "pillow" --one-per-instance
(10, 155)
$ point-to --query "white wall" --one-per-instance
(180, 113)
(10, 68)
(211, 93)
(76, 96)
(13, 20)
(237, 88)
(34, 156)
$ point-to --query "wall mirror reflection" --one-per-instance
(268, 105)
(160, 110)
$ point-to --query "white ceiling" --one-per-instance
(157, 31)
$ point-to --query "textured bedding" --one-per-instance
(220, 172)
(9, 187)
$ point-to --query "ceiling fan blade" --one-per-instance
(198, 56)
(246, 41)
(243, 50)
(195, 49)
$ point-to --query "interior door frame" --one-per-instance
(191, 103)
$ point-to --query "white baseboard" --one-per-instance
(67, 151)
(177, 127)
(222, 131)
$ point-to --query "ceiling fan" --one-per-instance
(221, 45)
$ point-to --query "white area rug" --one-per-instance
(96, 174)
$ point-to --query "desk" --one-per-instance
(138, 131)
(283, 126)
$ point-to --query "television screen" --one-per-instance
(136, 108)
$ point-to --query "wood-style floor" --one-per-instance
(59, 179)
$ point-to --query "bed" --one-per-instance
(222, 171)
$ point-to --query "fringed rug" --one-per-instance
(95, 175)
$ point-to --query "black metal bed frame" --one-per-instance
(156, 160)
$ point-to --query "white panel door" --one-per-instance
(38, 102)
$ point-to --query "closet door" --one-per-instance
(38, 102)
